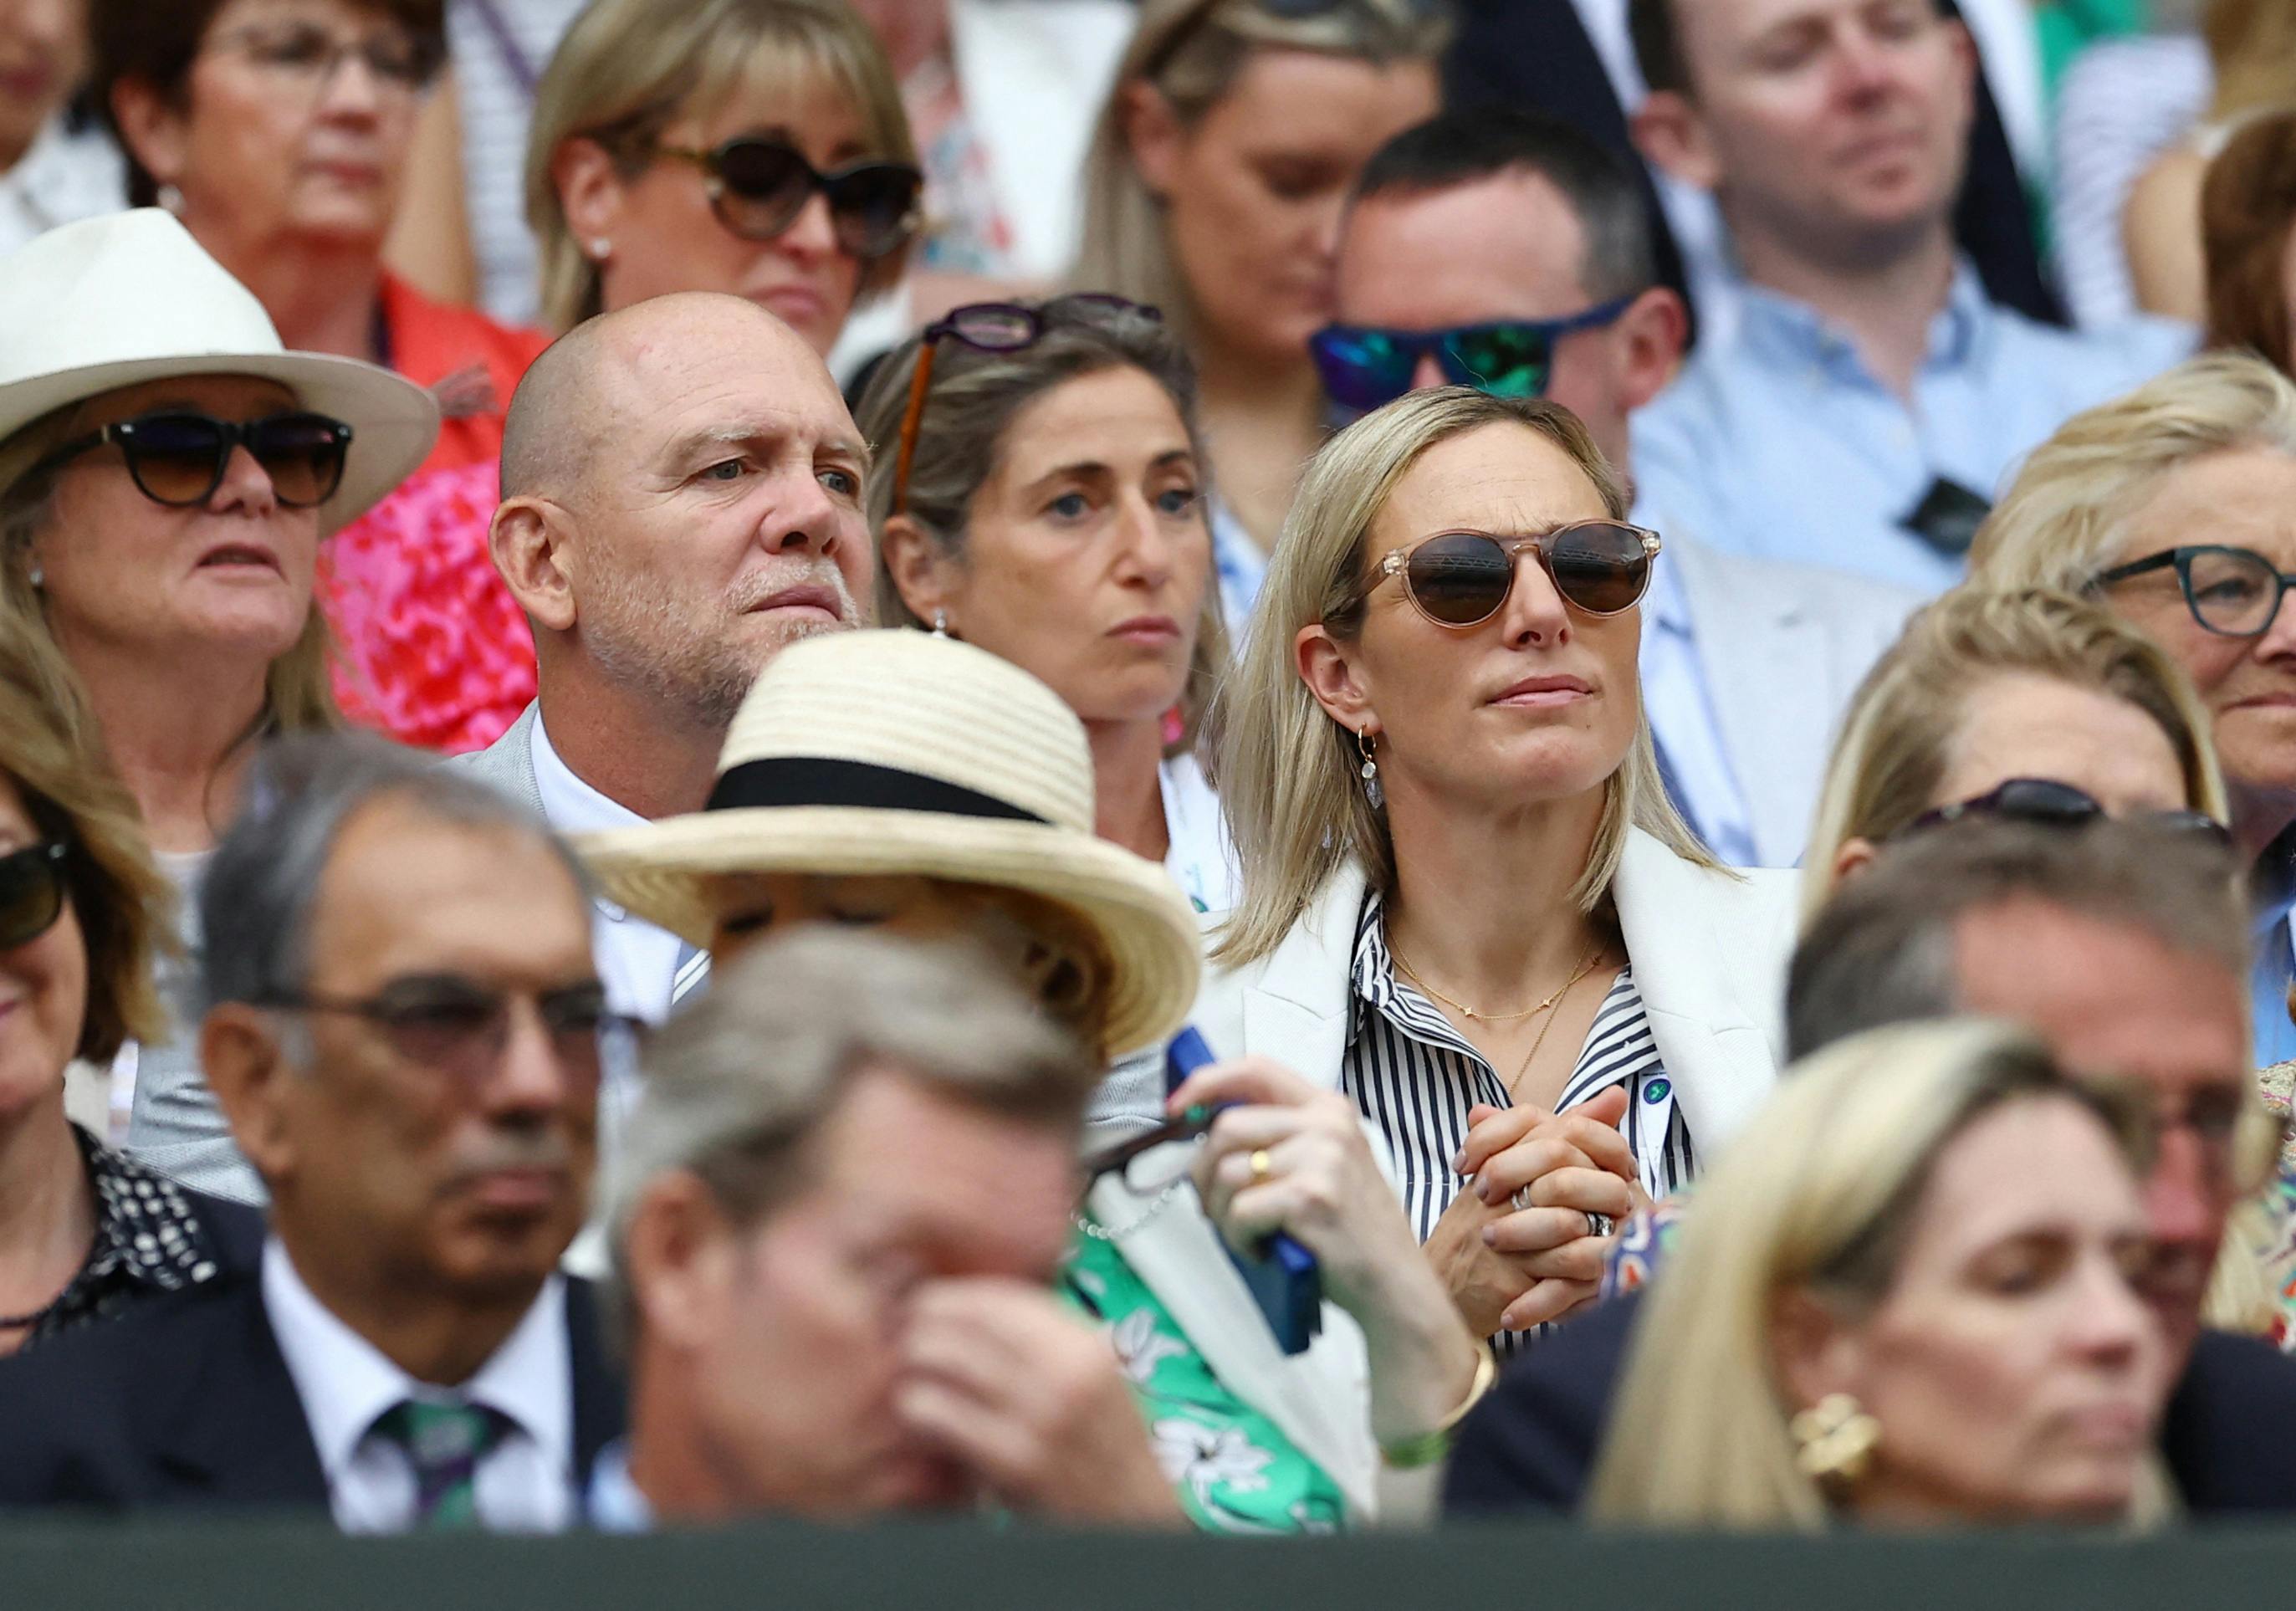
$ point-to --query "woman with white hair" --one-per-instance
(1467, 902)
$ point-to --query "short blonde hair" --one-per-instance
(1190, 52)
(2066, 515)
(1287, 772)
(629, 69)
(1700, 1435)
(1902, 723)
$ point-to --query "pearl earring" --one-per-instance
(170, 198)
(941, 623)
(600, 250)
(38, 578)
(1368, 747)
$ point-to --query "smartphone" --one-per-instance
(1282, 1276)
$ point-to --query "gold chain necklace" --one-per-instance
(1465, 1011)
(1584, 968)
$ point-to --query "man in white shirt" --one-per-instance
(405, 1029)
(1512, 252)
(681, 497)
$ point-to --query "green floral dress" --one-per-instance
(1235, 1470)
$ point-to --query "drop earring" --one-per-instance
(1369, 746)
(941, 623)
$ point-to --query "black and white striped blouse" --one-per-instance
(1415, 1077)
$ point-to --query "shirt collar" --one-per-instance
(345, 1383)
(617, 1505)
(571, 805)
(1780, 327)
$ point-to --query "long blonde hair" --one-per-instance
(1901, 725)
(2066, 515)
(1287, 771)
(1699, 1433)
(628, 69)
(1190, 52)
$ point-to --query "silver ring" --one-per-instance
(1522, 1198)
(1598, 1225)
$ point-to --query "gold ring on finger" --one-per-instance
(1260, 1168)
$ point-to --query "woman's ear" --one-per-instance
(1152, 134)
(1855, 856)
(589, 190)
(155, 133)
(1326, 666)
(919, 570)
(1813, 1352)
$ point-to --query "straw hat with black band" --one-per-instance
(897, 752)
(128, 297)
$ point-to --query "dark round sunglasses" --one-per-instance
(2052, 804)
(1363, 366)
(1462, 578)
(758, 188)
(179, 457)
(2230, 592)
(998, 328)
(31, 894)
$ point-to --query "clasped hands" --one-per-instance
(1520, 1246)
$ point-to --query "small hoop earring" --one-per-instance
(941, 623)
(1368, 747)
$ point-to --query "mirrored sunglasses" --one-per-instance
(1364, 366)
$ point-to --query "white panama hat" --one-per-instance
(113, 301)
(894, 751)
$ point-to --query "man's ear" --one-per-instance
(918, 568)
(1326, 666)
(681, 1257)
(249, 1072)
(1671, 135)
(153, 131)
(531, 541)
(1153, 135)
(1647, 341)
(589, 190)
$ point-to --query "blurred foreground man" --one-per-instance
(405, 1028)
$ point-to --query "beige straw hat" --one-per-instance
(887, 752)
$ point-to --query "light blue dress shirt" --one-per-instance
(1776, 441)
(1683, 719)
(2276, 966)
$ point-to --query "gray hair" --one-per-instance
(259, 901)
(738, 1085)
(1882, 949)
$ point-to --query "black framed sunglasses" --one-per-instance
(1363, 366)
(758, 188)
(460, 1027)
(1120, 1159)
(998, 328)
(2230, 592)
(1462, 578)
(31, 894)
(178, 457)
(2052, 804)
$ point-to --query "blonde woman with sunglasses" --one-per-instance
(1466, 902)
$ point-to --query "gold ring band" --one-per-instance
(1259, 1165)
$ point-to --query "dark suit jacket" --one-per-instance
(2229, 1436)
(188, 1404)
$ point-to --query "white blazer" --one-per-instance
(1708, 951)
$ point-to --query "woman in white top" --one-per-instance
(1467, 902)
(1042, 496)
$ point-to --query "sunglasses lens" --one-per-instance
(2231, 591)
(31, 896)
(2045, 800)
(175, 457)
(1601, 568)
(874, 207)
(1361, 368)
(1459, 580)
(1505, 360)
(303, 455)
(993, 326)
(767, 185)
(2198, 825)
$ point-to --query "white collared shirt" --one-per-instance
(525, 1483)
(1680, 706)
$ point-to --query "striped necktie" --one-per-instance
(444, 1444)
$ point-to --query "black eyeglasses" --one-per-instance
(1462, 578)
(309, 56)
(998, 328)
(758, 188)
(31, 894)
(1119, 1159)
(1363, 366)
(179, 458)
(2054, 804)
(460, 1027)
(2232, 592)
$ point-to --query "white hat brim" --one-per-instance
(665, 871)
(393, 421)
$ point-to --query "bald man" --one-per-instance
(681, 497)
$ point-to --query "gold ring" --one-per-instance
(1260, 1167)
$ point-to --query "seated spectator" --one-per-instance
(88, 1233)
(1501, 251)
(1913, 1306)
(682, 496)
(840, 800)
(2248, 213)
(2112, 505)
(1873, 395)
(2028, 705)
(1213, 190)
(278, 131)
(406, 1030)
(55, 166)
(1467, 904)
(166, 473)
(2124, 948)
(1042, 497)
